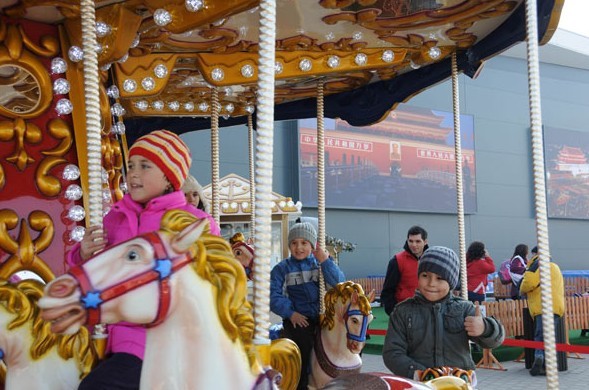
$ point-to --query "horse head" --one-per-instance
(244, 252)
(137, 271)
(348, 310)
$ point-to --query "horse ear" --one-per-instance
(371, 296)
(182, 241)
(355, 297)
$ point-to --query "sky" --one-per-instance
(574, 17)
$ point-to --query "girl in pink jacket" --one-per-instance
(158, 166)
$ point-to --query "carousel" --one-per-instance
(82, 80)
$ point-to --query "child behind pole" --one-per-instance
(294, 290)
(433, 328)
(158, 165)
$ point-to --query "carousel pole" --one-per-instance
(215, 109)
(321, 189)
(93, 137)
(459, 190)
(250, 139)
(263, 179)
(540, 193)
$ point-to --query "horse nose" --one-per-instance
(61, 288)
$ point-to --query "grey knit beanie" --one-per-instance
(443, 262)
(304, 230)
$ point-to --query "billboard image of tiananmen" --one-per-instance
(567, 173)
(405, 163)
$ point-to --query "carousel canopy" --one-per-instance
(166, 56)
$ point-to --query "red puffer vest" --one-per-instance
(408, 265)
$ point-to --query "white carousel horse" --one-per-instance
(342, 335)
(34, 357)
(204, 333)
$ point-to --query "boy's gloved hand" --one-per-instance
(475, 325)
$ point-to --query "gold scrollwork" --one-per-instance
(21, 132)
(50, 185)
(24, 251)
(26, 85)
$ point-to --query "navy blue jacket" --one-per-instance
(294, 285)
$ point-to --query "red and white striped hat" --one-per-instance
(166, 150)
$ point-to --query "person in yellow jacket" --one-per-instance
(530, 285)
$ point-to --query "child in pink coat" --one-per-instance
(158, 166)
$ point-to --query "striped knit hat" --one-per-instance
(441, 261)
(168, 152)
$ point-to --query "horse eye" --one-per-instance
(132, 255)
(355, 320)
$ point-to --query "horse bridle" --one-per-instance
(164, 267)
(356, 337)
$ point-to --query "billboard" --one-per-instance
(404, 163)
(567, 173)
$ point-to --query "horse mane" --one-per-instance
(20, 300)
(213, 261)
(344, 292)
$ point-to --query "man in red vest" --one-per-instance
(400, 282)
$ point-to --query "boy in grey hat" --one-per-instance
(433, 328)
(294, 290)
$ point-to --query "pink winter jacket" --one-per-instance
(126, 220)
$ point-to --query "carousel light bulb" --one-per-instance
(123, 187)
(113, 92)
(71, 172)
(142, 105)
(102, 29)
(123, 59)
(77, 233)
(148, 83)
(360, 59)
(130, 85)
(61, 86)
(189, 106)
(73, 192)
(58, 65)
(388, 56)
(305, 65)
(247, 71)
(250, 108)
(75, 53)
(174, 106)
(106, 67)
(158, 105)
(217, 74)
(245, 205)
(229, 108)
(104, 174)
(106, 196)
(64, 107)
(136, 41)
(278, 68)
(118, 128)
(117, 110)
(161, 17)
(434, 52)
(76, 213)
(194, 5)
(333, 61)
(203, 107)
(160, 71)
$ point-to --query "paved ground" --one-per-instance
(515, 378)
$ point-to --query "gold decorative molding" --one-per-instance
(24, 251)
(27, 88)
(20, 132)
